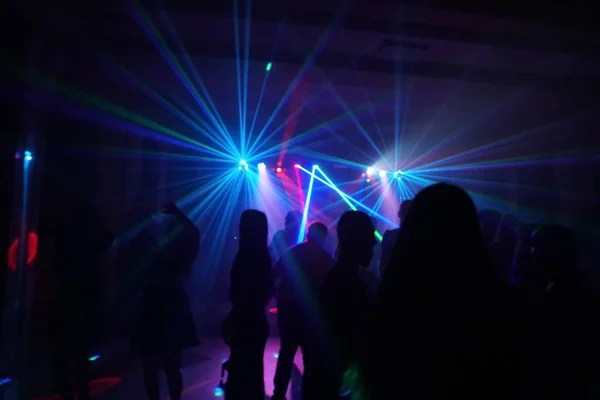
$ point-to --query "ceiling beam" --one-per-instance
(325, 16)
(574, 13)
(332, 60)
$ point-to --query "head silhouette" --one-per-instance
(441, 239)
(253, 231)
(554, 251)
(356, 238)
(404, 208)
(317, 233)
(293, 220)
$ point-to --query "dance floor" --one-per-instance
(201, 374)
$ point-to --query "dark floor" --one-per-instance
(201, 373)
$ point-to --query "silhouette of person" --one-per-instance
(166, 325)
(301, 272)
(251, 288)
(345, 303)
(560, 331)
(80, 242)
(288, 237)
(437, 317)
(391, 236)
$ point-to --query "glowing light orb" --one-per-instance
(243, 165)
(382, 173)
(296, 165)
(262, 166)
(370, 171)
(28, 156)
(278, 169)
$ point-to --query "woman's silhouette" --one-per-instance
(250, 290)
(166, 325)
(437, 317)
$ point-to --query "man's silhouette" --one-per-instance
(301, 271)
(345, 302)
(288, 237)
(390, 237)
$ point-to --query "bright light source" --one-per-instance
(262, 166)
(315, 166)
(368, 180)
(401, 173)
(296, 165)
(28, 156)
(370, 171)
(243, 165)
(269, 66)
(395, 174)
(382, 173)
(278, 169)
(94, 357)
(243, 162)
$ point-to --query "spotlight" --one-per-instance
(296, 165)
(368, 180)
(28, 156)
(278, 169)
(382, 173)
(370, 171)
(395, 174)
(315, 166)
(243, 165)
(262, 166)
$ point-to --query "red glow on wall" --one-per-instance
(95, 387)
(32, 249)
(273, 310)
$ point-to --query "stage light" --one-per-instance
(28, 156)
(268, 67)
(262, 166)
(370, 171)
(315, 166)
(368, 180)
(296, 165)
(382, 173)
(243, 165)
(395, 174)
(278, 169)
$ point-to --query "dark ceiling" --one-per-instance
(459, 57)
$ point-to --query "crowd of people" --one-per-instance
(462, 305)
